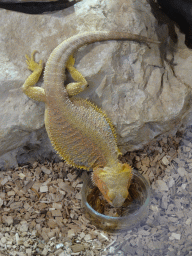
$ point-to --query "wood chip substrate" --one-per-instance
(41, 212)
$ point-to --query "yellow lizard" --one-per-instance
(79, 131)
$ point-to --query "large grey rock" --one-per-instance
(138, 89)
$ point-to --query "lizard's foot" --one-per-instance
(70, 62)
(80, 83)
(35, 93)
(31, 63)
(113, 183)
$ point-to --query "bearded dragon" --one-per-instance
(79, 131)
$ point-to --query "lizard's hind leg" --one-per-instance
(35, 93)
(80, 83)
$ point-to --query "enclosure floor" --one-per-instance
(41, 213)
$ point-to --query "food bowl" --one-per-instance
(133, 212)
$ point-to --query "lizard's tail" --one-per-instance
(55, 67)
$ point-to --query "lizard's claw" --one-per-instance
(32, 65)
(113, 182)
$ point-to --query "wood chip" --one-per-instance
(57, 206)
(77, 247)
(28, 185)
(181, 171)
(11, 193)
(44, 189)
(162, 185)
(45, 170)
(7, 219)
(165, 161)
(67, 188)
(41, 208)
(56, 213)
(71, 233)
(175, 236)
(16, 205)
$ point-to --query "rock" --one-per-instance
(129, 81)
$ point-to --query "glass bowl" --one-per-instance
(133, 212)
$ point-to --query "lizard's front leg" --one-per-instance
(35, 93)
(80, 84)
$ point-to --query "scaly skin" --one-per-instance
(79, 131)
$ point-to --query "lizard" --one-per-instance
(81, 132)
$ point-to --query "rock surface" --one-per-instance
(143, 94)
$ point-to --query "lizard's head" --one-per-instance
(113, 182)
